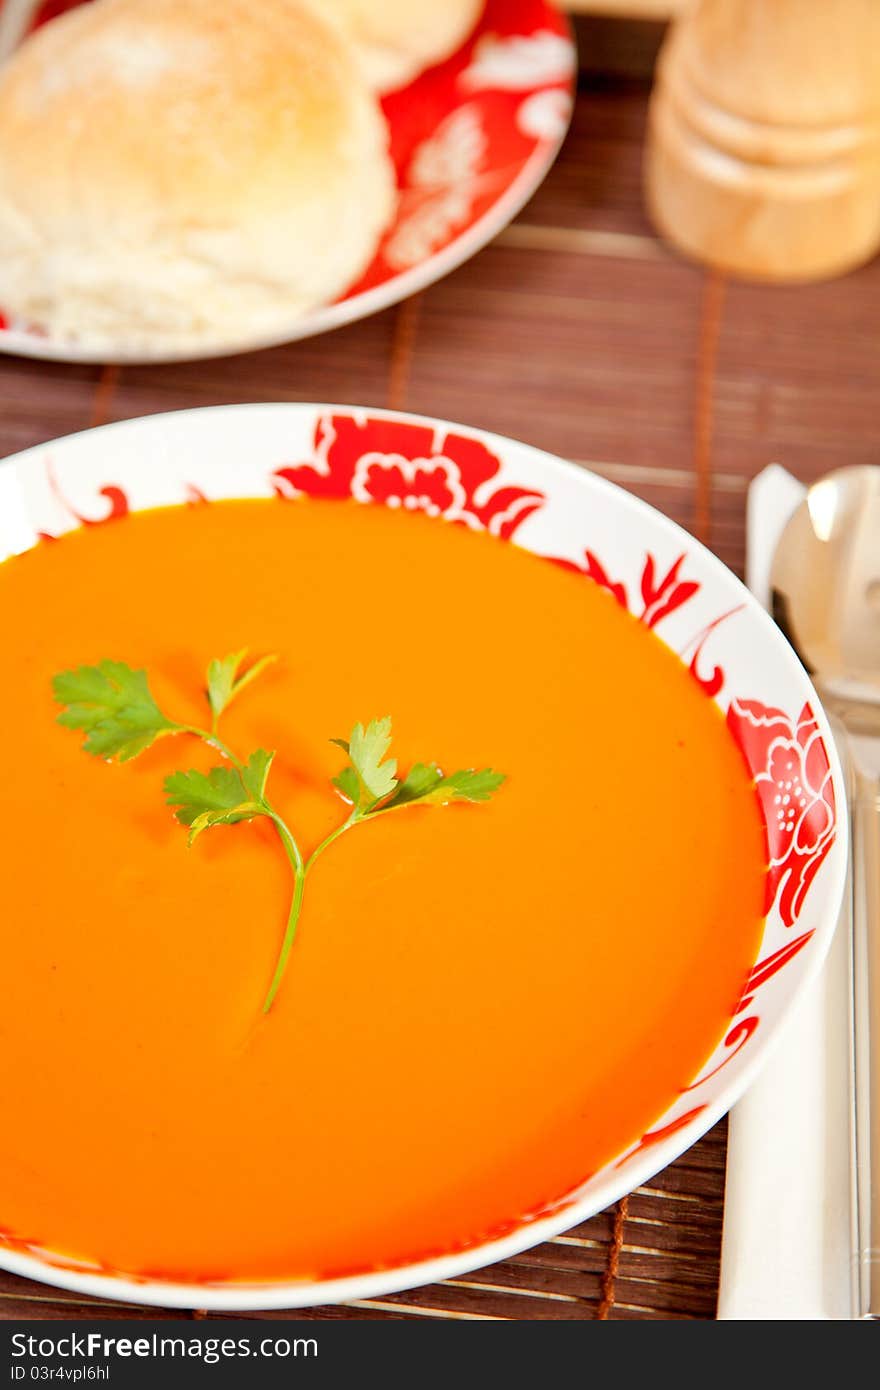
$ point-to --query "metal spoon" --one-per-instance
(825, 582)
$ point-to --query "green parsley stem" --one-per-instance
(292, 850)
(295, 908)
(112, 704)
(300, 870)
(213, 740)
(334, 835)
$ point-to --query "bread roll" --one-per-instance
(398, 38)
(180, 171)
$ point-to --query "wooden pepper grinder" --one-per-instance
(763, 152)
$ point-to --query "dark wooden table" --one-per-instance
(578, 332)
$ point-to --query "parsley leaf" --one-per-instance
(425, 785)
(219, 797)
(373, 779)
(347, 781)
(224, 682)
(370, 783)
(256, 772)
(113, 705)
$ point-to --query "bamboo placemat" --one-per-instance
(578, 332)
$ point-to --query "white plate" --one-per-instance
(471, 140)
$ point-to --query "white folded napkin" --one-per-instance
(787, 1243)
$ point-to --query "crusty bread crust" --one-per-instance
(173, 169)
(397, 39)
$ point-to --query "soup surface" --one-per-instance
(483, 1004)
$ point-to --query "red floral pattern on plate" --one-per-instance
(793, 780)
(51, 9)
(413, 466)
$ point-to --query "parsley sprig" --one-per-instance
(113, 705)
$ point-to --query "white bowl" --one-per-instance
(696, 606)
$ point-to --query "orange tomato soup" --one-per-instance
(484, 1003)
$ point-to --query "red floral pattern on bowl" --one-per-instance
(795, 788)
(410, 466)
(646, 564)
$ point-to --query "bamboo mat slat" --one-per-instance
(626, 9)
(579, 332)
(596, 186)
